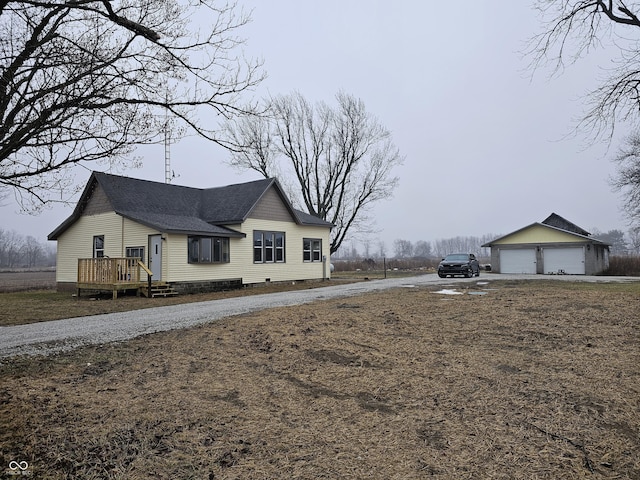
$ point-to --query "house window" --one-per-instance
(208, 250)
(268, 247)
(98, 246)
(135, 252)
(311, 249)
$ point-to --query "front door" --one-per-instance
(155, 256)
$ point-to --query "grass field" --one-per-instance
(22, 307)
(529, 380)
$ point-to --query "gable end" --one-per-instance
(271, 207)
(98, 202)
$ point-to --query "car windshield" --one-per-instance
(457, 257)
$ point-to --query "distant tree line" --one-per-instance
(621, 244)
(19, 251)
(406, 249)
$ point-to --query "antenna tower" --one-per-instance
(167, 155)
(167, 145)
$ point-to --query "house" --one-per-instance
(125, 232)
(554, 246)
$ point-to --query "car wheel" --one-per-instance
(478, 273)
(469, 274)
(441, 275)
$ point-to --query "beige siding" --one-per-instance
(293, 268)
(77, 241)
(539, 234)
(98, 202)
(176, 266)
(120, 233)
(137, 235)
(178, 269)
(271, 207)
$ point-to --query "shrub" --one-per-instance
(624, 266)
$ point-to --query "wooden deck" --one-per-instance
(113, 274)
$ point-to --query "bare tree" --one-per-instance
(422, 249)
(627, 178)
(10, 246)
(574, 28)
(86, 81)
(366, 246)
(634, 241)
(402, 248)
(470, 244)
(32, 251)
(335, 162)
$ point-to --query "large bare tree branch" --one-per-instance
(627, 178)
(574, 28)
(579, 26)
(89, 80)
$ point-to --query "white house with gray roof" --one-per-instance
(191, 239)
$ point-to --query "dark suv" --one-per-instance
(459, 264)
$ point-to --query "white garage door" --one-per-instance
(569, 260)
(518, 261)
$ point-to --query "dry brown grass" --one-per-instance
(31, 306)
(533, 380)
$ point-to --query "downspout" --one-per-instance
(122, 252)
(164, 240)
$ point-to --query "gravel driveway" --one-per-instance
(45, 338)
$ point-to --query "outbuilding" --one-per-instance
(553, 246)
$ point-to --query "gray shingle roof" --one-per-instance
(178, 209)
(556, 220)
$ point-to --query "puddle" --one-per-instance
(482, 283)
(408, 285)
(478, 293)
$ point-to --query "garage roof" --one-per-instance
(553, 223)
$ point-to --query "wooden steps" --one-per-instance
(159, 289)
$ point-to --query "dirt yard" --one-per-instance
(531, 380)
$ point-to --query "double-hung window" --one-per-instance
(311, 250)
(268, 247)
(208, 250)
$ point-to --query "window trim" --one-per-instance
(309, 255)
(141, 249)
(223, 252)
(269, 246)
(98, 252)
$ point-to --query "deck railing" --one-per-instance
(110, 271)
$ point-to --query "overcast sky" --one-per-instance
(488, 148)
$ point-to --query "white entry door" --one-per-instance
(155, 256)
(522, 260)
(569, 260)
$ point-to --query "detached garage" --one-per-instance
(555, 246)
